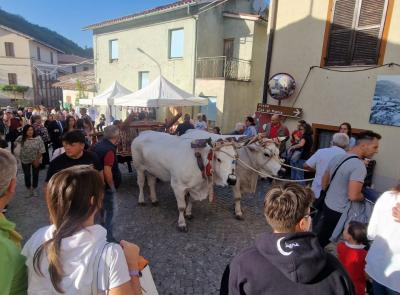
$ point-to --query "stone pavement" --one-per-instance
(181, 263)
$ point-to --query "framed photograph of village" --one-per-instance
(385, 108)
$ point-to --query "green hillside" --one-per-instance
(20, 24)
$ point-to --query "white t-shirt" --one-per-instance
(200, 125)
(319, 161)
(78, 255)
(383, 259)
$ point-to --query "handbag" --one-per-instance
(17, 149)
(103, 256)
(319, 203)
(147, 283)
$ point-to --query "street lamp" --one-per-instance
(158, 65)
(152, 58)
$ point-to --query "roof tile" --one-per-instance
(145, 12)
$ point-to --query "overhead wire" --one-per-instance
(211, 7)
(339, 71)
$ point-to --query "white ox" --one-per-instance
(171, 158)
(262, 155)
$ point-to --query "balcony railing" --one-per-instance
(223, 67)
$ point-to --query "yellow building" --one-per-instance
(26, 61)
(212, 49)
(335, 36)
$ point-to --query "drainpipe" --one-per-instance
(272, 20)
(196, 19)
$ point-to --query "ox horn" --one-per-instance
(282, 138)
(253, 140)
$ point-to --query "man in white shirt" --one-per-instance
(320, 160)
(200, 124)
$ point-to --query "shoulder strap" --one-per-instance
(337, 168)
(96, 267)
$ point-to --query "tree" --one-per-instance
(80, 87)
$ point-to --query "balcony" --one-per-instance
(222, 67)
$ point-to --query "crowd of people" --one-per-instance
(78, 253)
(81, 180)
(341, 208)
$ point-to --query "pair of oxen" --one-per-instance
(222, 162)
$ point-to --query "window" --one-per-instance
(38, 53)
(228, 47)
(51, 57)
(73, 69)
(176, 43)
(323, 134)
(86, 68)
(143, 79)
(12, 79)
(9, 49)
(355, 32)
(113, 49)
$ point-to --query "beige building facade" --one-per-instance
(218, 52)
(305, 37)
(22, 60)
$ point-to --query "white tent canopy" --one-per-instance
(114, 91)
(160, 93)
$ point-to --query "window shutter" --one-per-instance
(368, 31)
(9, 49)
(12, 79)
(341, 33)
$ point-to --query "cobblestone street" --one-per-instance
(181, 263)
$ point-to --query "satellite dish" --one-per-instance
(260, 6)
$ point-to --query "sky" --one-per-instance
(69, 17)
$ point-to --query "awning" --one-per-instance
(160, 93)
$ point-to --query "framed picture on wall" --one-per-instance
(385, 108)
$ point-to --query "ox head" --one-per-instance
(224, 162)
(264, 153)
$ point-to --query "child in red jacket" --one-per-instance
(352, 253)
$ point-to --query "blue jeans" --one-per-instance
(382, 290)
(297, 174)
(108, 213)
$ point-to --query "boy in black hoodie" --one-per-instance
(289, 260)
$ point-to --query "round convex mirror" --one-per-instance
(281, 86)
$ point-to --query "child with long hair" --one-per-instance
(352, 253)
(72, 256)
